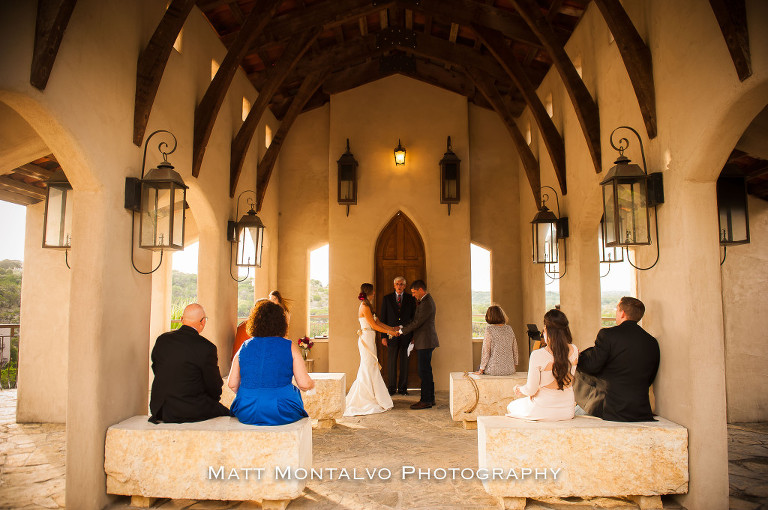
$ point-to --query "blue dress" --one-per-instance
(266, 395)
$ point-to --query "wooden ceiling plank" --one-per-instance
(291, 56)
(494, 41)
(585, 106)
(339, 33)
(637, 59)
(267, 163)
(454, 32)
(428, 24)
(35, 171)
(152, 61)
(384, 18)
(732, 17)
(15, 198)
(21, 187)
(362, 21)
(353, 76)
(237, 12)
(531, 166)
(208, 109)
(409, 19)
(52, 20)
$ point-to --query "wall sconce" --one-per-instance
(450, 185)
(608, 254)
(546, 230)
(732, 207)
(628, 192)
(347, 166)
(399, 154)
(247, 234)
(160, 200)
(57, 223)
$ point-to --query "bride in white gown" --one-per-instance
(369, 393)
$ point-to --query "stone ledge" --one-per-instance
(496, 392)
(174, 461)
(595, 457)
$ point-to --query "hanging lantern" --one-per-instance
(544, 237)
(733, 213)
(450, 185)
(250, 239)
(163, 198)
(57, 225)
(347, 176)
(399, 154)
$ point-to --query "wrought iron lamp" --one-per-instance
(732, 209)
(399, 154)
(546, 231)
(247, 237)
(57, 223)
(450, 182)
(347, 170)
(160, 200)
(628, 193)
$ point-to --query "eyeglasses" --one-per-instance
(204, 319)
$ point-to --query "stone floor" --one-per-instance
(32, 465)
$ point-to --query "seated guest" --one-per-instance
(548, 394)
(187, 383)
(262, 371)
(499, 345)
(615, 374)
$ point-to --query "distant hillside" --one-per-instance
(10, 291)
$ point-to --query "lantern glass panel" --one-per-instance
(732, 210)
(249, 245)
(607, 253)
(400, 157)
(346, 183)
(632, 202)
(544, 243)
(162, 213)
(58, 218)
(450, 181)
(609, 207)
(179, 204)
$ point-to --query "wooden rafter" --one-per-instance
(732, 17)
(34, 171)
(494, 41)
(293, 53)
(585, 106)
(267, 163)
(17, 198)
(152, 61)
(637, 59)
(531, 166)
(21, 187)
(208, 109)
(52, 19)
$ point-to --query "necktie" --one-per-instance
(399, 299)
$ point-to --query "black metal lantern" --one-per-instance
(160, 199)
(546, 231)
(347, 169)
(247, 237)
(450, 183)
(399, 154)
(733, 213)
(57, 225)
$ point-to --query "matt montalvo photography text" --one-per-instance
(405, 472)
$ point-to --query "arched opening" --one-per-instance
(318, 293)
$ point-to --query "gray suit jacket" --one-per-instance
(423, 325)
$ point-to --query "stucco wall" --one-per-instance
(744, 274)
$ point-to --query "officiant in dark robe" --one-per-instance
(397, 309)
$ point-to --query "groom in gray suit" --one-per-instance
(424, 341)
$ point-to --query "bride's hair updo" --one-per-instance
(559, 340)
(365, 289)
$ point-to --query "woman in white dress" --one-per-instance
(369, 393)
(548, 392)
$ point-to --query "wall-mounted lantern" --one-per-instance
(57, 222)
(450, 183)
(247, 237)
(546, 231)
(399, 154)
(628, 193)
(732, 209)
(160, 199)
(347, 169)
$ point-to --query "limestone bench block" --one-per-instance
(595, 458)
(496, 392)
(325, 403)
(185, 460)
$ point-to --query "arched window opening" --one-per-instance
(481, 287)
(318, 293)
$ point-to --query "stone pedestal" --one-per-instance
(583, 457)
(495, 393)
(218, 459)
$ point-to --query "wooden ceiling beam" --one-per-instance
(208, 109)
(267, 163)
(494, 41)
(34, 171)
(21, 187)
(586, 108)
(16, 198)
(353, 76)
(152, 61)
(637, 59)
(52, 20)
(485, 85)
(732, 17)
(291, 56)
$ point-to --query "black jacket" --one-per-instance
(626, 359)
(187, 384)
(391, 316)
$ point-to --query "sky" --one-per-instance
(12, 224)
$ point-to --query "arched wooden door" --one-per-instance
(399, 252)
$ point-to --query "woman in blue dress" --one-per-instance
(263, 368)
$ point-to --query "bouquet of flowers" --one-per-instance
(305, 344)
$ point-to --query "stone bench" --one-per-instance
(217, 459)
(595, 458)
(325, 403)
(496, 392)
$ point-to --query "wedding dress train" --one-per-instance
(369, 393)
